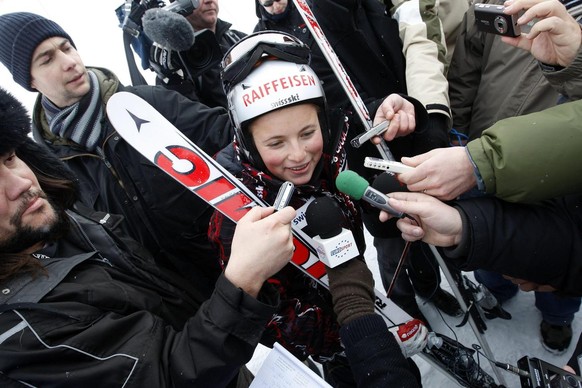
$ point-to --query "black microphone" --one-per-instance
(350, 183)
(388, 183)
(168, 29)
(334, 244)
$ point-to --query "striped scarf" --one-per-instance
(80, 122)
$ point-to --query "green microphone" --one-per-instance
(350, 183)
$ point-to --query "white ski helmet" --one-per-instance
(264, 72)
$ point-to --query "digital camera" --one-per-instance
(543, 374)
(490, 18)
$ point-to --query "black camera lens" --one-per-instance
(203, 55)
(500, 24)
(200, 55)
(571, 381)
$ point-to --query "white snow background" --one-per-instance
(95, 31)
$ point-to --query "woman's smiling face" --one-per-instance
(289, 141)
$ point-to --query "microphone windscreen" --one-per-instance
(324, 217)
(168, 29)
(350, 183)
(388, 183)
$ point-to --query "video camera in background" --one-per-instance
(164, 39)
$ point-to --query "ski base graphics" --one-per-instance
(159, 141)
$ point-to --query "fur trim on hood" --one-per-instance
(14, 122)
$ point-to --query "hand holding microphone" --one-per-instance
(395, 117)
(350, 281)
(168, 29)
(182, 49)
(434, 222)
(163, 61)
(350, 183)
(171, 34)
(400, 113)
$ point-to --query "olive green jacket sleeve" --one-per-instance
(532, 157)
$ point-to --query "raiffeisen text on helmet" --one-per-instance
(278, 85)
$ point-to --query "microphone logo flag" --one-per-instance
(336, 250)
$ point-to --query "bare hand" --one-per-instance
(444, 173)
(400, 112)
(436, 223)
(554, 39)
(261, 246)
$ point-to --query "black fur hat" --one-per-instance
(14, 122)
(14, 130)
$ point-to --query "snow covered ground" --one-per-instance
(509, 340)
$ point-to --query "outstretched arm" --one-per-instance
(513, 239)
(444, 173)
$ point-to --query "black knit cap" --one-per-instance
(14, 123)
(20, 35)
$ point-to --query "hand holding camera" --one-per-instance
(491, 18)
(542, 374)
(554, 39)
(163, 61)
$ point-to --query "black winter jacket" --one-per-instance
(106, 315)
(375, 358)
(207, 87)
(540, 243)
(165, 217)
(362, 35)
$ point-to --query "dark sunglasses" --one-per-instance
(268, 3)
